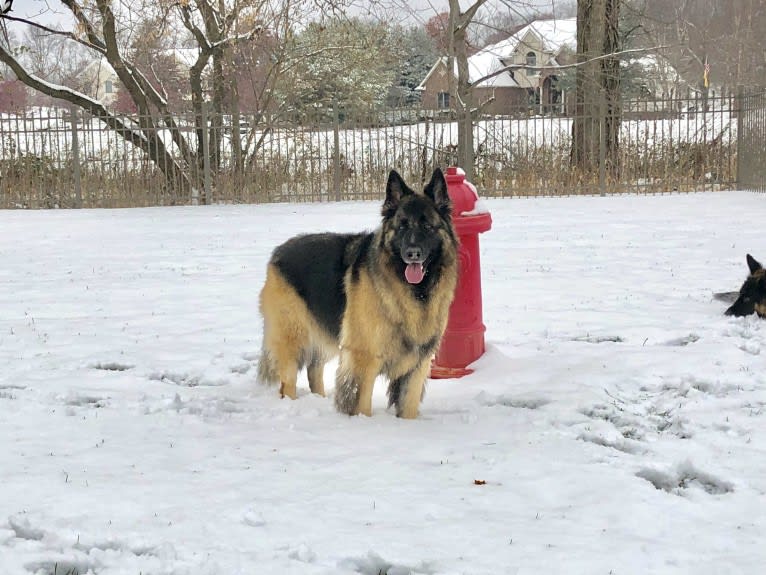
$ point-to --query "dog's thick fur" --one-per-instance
(380, 299)
(751, 297)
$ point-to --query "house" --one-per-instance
(100, 81)
(653, 76)
(543, 45)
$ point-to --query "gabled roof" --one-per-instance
(554, 35)
(486, 62)
(186, 57)
(477, 68)
(441, 61)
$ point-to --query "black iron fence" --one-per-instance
(751, 141)
(58, 158)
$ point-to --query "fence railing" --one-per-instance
(751, 141)
(57, 158)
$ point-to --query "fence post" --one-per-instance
(75, 158)
(336, 152)
(740, 131)
(206, 155)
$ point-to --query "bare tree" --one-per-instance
(459, 21)
(106, 27)
(597, 109)
(730, 36)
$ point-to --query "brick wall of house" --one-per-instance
(437, 82)
(506, 100)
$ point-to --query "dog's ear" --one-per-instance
(436, 189)
(396, 189)
(753, 264)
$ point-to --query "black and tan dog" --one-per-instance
(751, 297)
(380, 299)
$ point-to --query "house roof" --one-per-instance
(99, 66)
(555, 34)
(552, 34)
(656, 66)
(486, 62)
(186, 57)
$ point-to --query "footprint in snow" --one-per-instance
(682, 341)
(684, 477)
(621, 444)
(598, 338)
(187, 379)
(487, 400)
(111, 366)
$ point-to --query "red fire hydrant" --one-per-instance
(463, 340)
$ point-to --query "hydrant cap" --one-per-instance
(464, 198)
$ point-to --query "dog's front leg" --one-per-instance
(354, 381)
(409, 390)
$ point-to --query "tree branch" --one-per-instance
(83, 21)
(79, 99)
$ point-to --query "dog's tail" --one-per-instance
(726, 296)
(267, 372)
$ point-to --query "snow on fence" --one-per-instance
(664, 146)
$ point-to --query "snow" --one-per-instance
(483, 64)
(480, 207)
(615, 424)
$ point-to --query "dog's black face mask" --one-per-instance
(416, 224)
(416, 238)
(752, 294)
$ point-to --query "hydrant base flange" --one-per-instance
(441, 372)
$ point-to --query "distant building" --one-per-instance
(100, 81)
(543, 45)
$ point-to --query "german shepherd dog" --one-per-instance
(751, 297)
(380, 299)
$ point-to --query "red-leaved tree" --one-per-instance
(13, 96)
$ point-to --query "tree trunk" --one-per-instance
(595, 131)
(200, 117)
(236, 134)
(216, 118)
(463, 92)
(464, 104)
(146, 137)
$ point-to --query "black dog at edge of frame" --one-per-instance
(751, 297)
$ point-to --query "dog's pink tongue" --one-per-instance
(414, 273)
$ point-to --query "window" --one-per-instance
(108, 87)
(532, 61)
(442, 100)
(533, 97)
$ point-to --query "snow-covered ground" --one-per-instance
(616, 424)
